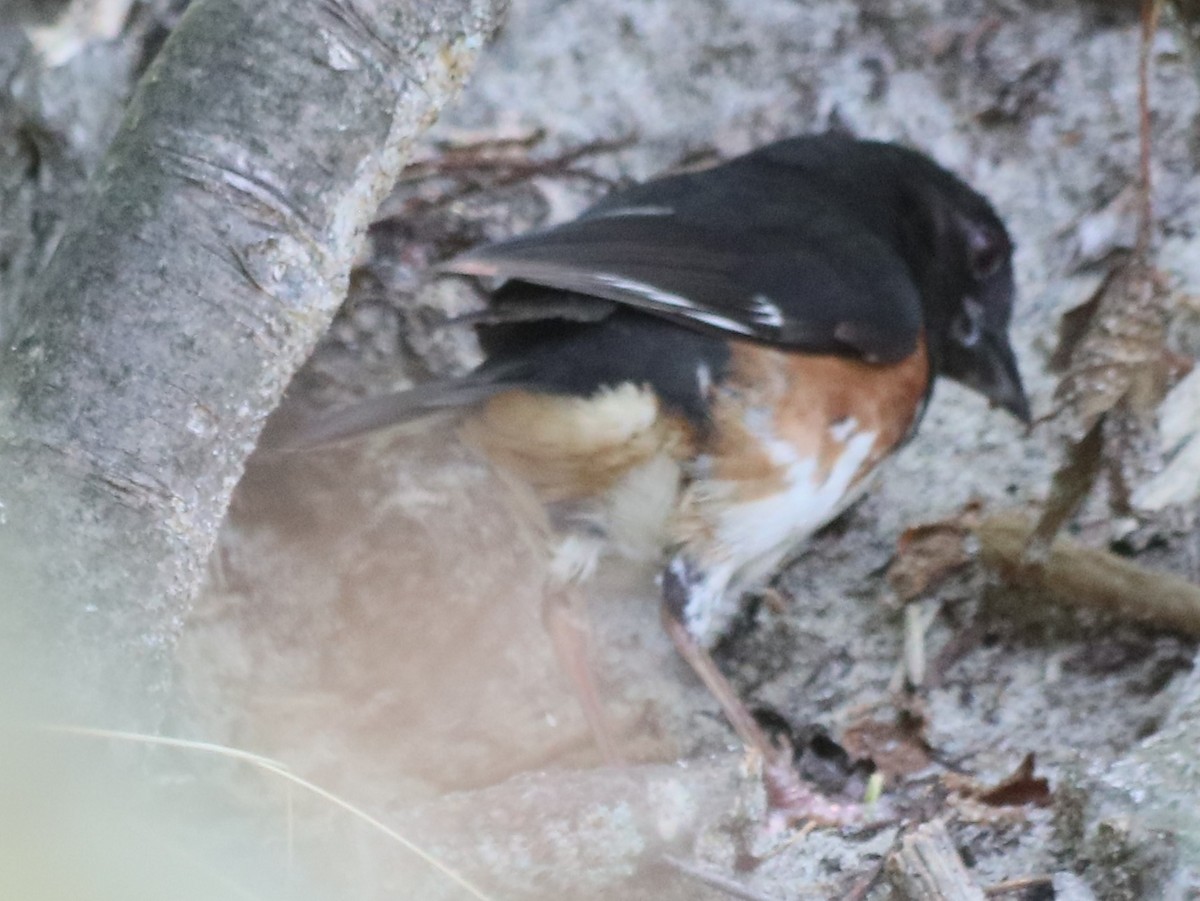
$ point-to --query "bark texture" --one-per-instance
(212, 249)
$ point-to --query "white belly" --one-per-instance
(735, 544)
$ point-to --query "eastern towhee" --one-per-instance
(704, 369)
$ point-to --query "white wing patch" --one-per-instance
(669, 301)
(765, 312)
(623, 211)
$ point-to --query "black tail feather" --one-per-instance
(328, 427)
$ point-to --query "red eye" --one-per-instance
(987, 250)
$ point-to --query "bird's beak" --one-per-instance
(1000, 380)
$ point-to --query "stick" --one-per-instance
(926, 867)
(1086, 577)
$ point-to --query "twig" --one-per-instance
(1017, 885)
(1086, 577)
(917, 621)
(485, 166)
(866, 882)
(926, 867)
(1145, 229)
(477, 158)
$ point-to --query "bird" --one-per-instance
(704, 369)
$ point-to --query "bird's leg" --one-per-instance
(566, 620)
(788, 795)
(564, 614)
(674, 607)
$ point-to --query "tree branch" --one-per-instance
(214, 247)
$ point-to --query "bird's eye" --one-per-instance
(967, 327)
(988, 250)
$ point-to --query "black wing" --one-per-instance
(756, 247)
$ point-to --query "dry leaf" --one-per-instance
(896, 748)
(1115, 346)
(1073, 325)
(1019, 789)
(929, 553)
(1069, 486)
(1112, 350)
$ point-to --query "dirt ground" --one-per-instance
(374, 619)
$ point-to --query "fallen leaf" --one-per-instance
(1073, 325)
(1019, 789)
(897, 748)
(929, 553)
(1068, 488)
(1116, 371)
